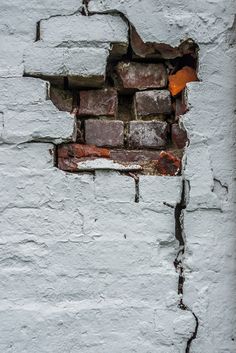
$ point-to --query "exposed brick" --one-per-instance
(152, 102)
(178, 81)
(148, 134)
(67, 164)
(108, 133)
(62, 99)
(132, 75)
(178, 136)
(180, 105)
(151, 50)
(98, 102)
(134, 155)
(80, 151)
(168, 164)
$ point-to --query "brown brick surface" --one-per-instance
(180, 105)
(98, 102)
(109, 133)
(134, 155)
(147, 134)
(62, 99)
(168, 164)
(80, 151)
(132, 75)
(152, 103)
(178, 136)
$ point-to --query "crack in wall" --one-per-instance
(178, 262)
(178, 212)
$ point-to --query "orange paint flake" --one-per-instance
(178, 81)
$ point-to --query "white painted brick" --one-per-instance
(22, 91)
(91, 326)
(88, 29)
(34, 188)
(43, 60)
(40, 122)
(114, 186)
(160, 189)
(27, 156)
(115, 219)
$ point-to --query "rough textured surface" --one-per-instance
(147, 134)
(104, 132)
(85, 268)
(98, 102)
(141, 76)
(152, 103)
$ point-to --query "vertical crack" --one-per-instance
(136, 181)
(178, 262)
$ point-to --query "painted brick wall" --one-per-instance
(101, 262)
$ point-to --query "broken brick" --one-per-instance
(133, 75)
(81, 151)
(147, 134)
(151, 49)
(178, 136)
(152, 103)
(62, 99)
(168, 164)
(178, 81)
(109, 133)
(101, 102)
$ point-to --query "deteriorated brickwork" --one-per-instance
(135, 116)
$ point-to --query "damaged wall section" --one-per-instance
(87, 258)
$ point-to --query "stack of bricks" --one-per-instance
(133, 120)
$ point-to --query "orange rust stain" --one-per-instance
(177, 82)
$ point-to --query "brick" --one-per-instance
(148, 134)
(44, 61)
(151, 49)
(80, 29)
(98, 102)
(62, 99)
(134, 155)
(168, 164)
(109, 133)
(132, 75)
(81, 151)
(178, 136)
(180, 105)
(178, 81)
(152, 102)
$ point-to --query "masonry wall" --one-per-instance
(84, 266)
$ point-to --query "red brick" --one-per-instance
(178, 136)
(168, 164)
(67, 164)
(98, 102)
(152, 102)
(134, 155)
(133, 75)
(80, 151)
(148, 134)
(109, 133)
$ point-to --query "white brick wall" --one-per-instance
(85, 268)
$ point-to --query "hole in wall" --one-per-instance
(129, 120)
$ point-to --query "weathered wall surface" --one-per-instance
(85, 268)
